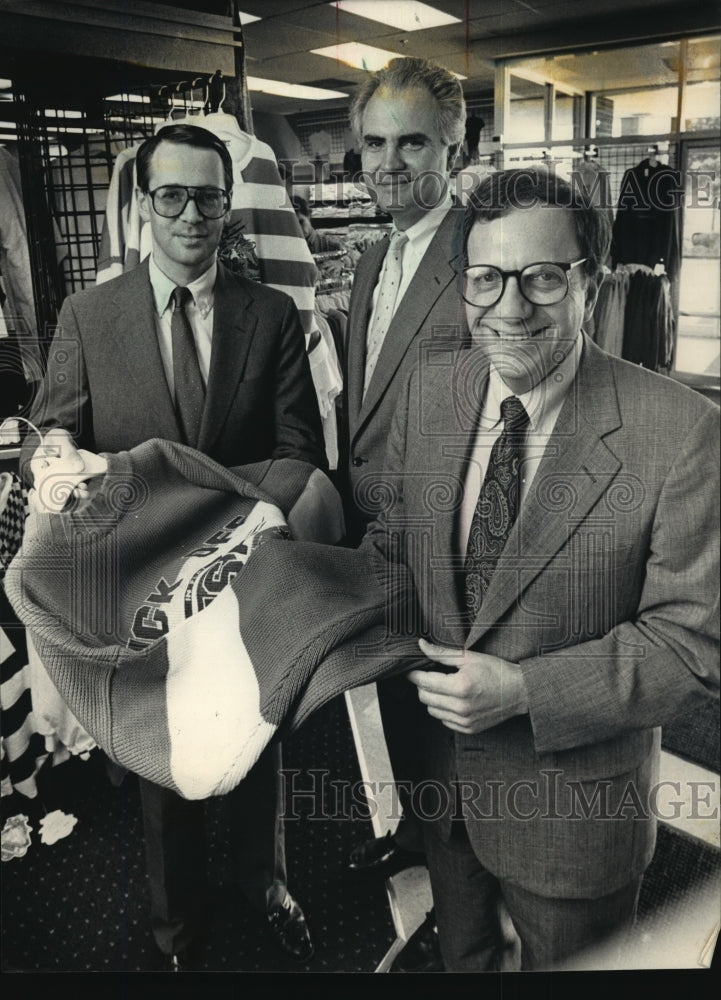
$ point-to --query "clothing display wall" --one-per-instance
(18, 309)
(79, 181)
(634, 318)
(646, 227)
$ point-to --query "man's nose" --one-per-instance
(392, 158)
(190, 213)
(512, 302)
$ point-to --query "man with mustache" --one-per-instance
(180, 349)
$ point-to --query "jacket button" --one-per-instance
(358, 461)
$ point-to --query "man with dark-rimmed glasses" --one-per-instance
(556, 512)
(179, 348)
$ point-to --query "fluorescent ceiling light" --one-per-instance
(357, 55)
(362, 56)
(281, 89)
(406, 15)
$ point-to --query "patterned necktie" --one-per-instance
(497, 506)
(189, 388)
(386, 303)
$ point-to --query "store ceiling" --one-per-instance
(278, 47)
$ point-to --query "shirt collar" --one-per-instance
(201, 289)
(539, 401)
(430, 220)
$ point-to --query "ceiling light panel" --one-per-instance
(281, 89)
(359, 56)
(365, 57)
(406, 15)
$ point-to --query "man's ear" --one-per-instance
(143, 204)
(592, 289)
(452, 154)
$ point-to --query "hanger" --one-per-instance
(171, 109)
(221, 121)
(191, 117)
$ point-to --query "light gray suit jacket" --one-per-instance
(606, 594)
(429, 310)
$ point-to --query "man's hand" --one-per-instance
(60, 471)
(483, 692)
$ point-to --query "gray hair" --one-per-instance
(404, 74)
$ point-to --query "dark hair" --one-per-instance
(526, 187)
(404, 74)
(185, 135)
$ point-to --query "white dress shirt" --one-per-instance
(543, 404)
(199, 311)
(419, 236)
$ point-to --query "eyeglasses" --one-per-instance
(170, 200)
(543, 284)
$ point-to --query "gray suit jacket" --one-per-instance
(106, 385)
(429, 311)
(606, 594)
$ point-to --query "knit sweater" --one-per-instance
(182, 626)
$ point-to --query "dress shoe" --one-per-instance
(289, 927)
(421, 952)
(190, 959)
(384, 857)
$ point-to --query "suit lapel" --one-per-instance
(446, 441)
(576, 469)
(359, 315)
(134, 354)
(432, 277)
(235, 318)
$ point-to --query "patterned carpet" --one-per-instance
(80, 905)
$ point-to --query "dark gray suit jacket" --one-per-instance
(106, 385)
(606, 594)
(430, 311)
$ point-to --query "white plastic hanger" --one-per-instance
(194, 117)
(169, 120)
(225, 125)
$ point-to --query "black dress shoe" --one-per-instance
(289, 927)
(384, 857)
(190, 959)
(421, 952)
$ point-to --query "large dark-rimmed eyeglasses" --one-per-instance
(544, 284)
(170, 200)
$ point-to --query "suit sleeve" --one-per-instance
(647, 670)
(63, 397)
(298, 426)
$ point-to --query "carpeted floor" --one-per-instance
(81, 904)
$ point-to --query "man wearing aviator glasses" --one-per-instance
(181, 349)
(556, 509)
